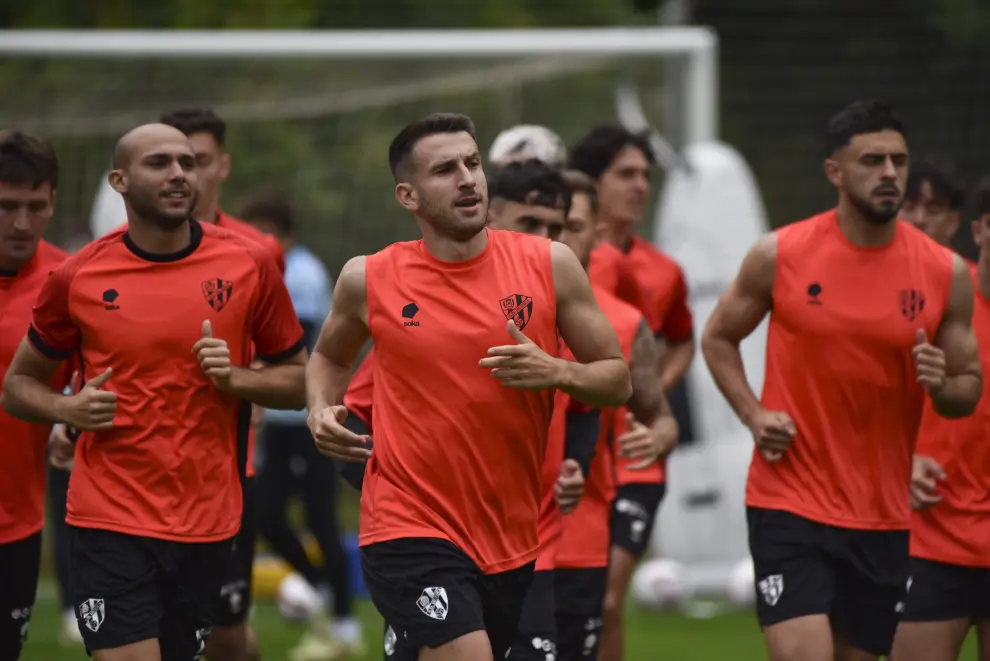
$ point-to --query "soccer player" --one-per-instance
(620, 163)
(867, 314)
(950, 531)
(28, 179)
(163, 315)
(582, 553)
(465, 324)
(232, 638)
(288, 444)
(933, 198)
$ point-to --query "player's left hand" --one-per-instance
(647, 444)
(569, 487)
(214, 357)
(523, 365)
(929, 363)
(926, 473)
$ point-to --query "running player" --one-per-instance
(451, 498)
(620, 162)
(854, 295)
(28, 179)
(933, 198)
(155, 501)
(232, 638)
(950, 532)
(582, 553)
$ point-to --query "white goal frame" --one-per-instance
(698, 46)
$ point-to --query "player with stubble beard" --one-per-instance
(867, 315)
(163, 316)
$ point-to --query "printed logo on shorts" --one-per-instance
(234, 592)
(390, 640)
(202, 635)
(547, 646)
(92, 614)
(771, 588)
(899, 606)
(433, 603)
(592, 626)
(22, 614)
(632, 508)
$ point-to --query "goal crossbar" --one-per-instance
(698, 46)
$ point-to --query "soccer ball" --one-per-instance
(740, 589)
(660, 584)
(297, 600)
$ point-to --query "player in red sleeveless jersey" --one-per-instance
(164, 316)
(582, 555)
(626, 265)
(867, 314)
(28, 179)
(463, 397)
(950, 529)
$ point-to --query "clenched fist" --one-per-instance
(773, 432)
(214, 357)
(929, 364)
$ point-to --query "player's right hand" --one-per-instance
(333, 439)
(92, 408)
(926, 473)
(61, 449)
(773, 432)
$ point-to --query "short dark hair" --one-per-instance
(981, 197)
(594, 153)
(859, 118)
(530, 182)
(579, 182)
(273, 207)
(942, 176)
(27, 161)
(441, 122)
(196, 120)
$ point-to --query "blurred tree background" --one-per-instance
(319, 129)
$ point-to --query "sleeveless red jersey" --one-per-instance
(838, 361)
(957, 530)
(457, 455)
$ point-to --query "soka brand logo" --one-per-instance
(409, 313)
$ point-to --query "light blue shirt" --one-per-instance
(311, 290)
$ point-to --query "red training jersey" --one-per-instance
(838, 361)
(23, 445)
(169, 467)
(584, 538)
(957, 529)
(361, 389)
(457, 455)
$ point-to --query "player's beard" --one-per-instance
(146, 207)
(875, 214)
(445, 220)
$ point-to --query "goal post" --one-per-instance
(698, 46)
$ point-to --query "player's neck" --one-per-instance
(983, 274)
(447, 249)
(861, 232)
(619, 233)
(157, 240)
(208, 212)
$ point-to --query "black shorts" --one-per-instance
(580, 600)
(127, 589)
(537, 636)
(429, 593)
(634, 512)
(234, 604)
(856, 577)
(19, 565)
(937, 591)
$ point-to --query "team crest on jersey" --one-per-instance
(912, 303)
(92, 614)
(433, 603)
(517, 308)
(218, 292)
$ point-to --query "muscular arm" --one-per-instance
(343, 334)
(739, 311)
(647, 400)
(279, 385)
(600, 376)
(27, 392)
(674, 360)
(963, 375)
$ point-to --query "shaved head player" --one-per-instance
(163, 315)
(465, 367)
(950, 491)
(867, 314)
